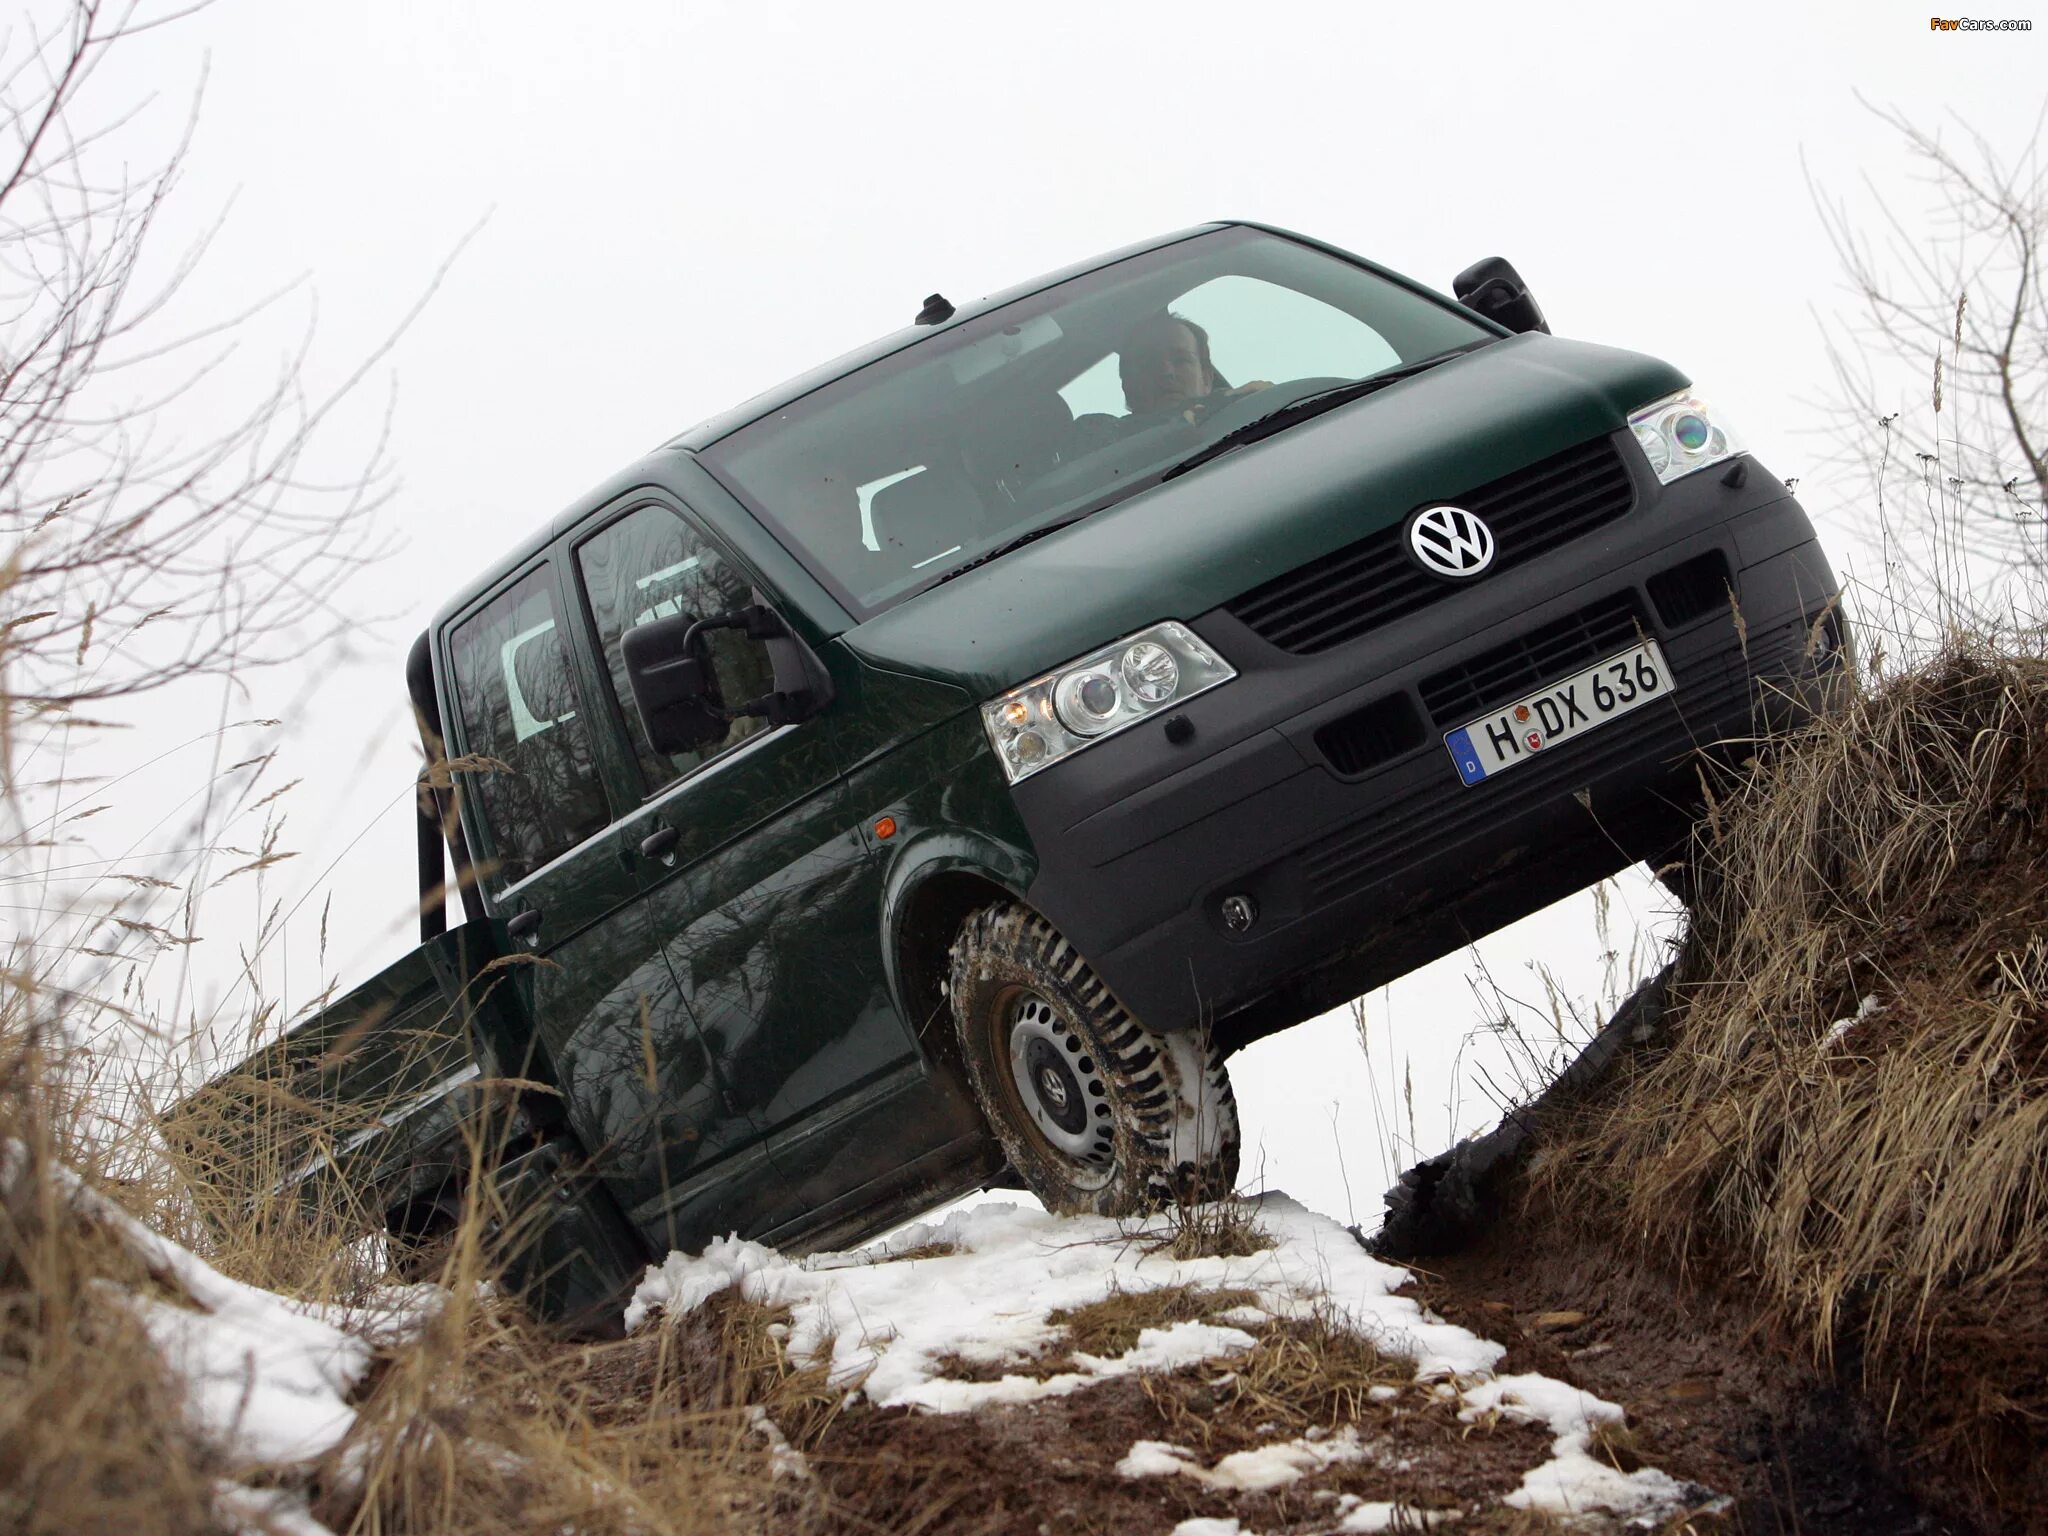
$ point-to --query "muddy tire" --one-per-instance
(1098, 1114)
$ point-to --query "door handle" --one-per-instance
(524, 925)
(660, 844)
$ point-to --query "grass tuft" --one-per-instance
(1111, 1326)
(1207, 1229)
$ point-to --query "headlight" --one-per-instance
(1679, 435)
(1056, 715)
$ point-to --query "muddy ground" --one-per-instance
(1707, 1403)
(1707, 1400)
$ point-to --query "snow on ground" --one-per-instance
(267, 1379)
(888, 1326)
(1573, 1480)
(1256, 1471)
(264, 1379)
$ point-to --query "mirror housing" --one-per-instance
(1495, 289)
(675, 688)
(668, 670)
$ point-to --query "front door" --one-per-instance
(763, 885)
(636, 1082)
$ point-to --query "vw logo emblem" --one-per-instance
(1450, 542)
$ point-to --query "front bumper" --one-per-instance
(1318, 786)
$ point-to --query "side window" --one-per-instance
(651, 565)
(515, 691)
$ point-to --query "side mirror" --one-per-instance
(675, 688)
(1495, 289)
(668, 670)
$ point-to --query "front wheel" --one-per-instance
(1097, 1113)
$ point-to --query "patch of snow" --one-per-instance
(1208, 1525)
(942, 1394)
(1155, 1458)
(1377, 1515)
(1255, 1471)
(883, 1330)
(1534, 1399)
(883, 1326)
(258, 1384)
(1573, 1481)
(264, 1377)
(1838, 1030)
(1170, 1348)
(1157, 1349)
(785, 1460)
(264, 1511)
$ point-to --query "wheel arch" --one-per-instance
(934, 884)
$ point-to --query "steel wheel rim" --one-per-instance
(1058, 1086)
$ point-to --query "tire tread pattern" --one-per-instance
(1156, 1109)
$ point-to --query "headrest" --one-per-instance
(538, 667)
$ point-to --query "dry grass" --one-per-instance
(1883, 1185)
(1208, 1229)
(1315, 1370)
(492, 1426)
(89, 1438)
(488, 1423)
(1301, 1373)
(1111, 1326)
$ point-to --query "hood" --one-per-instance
(1179, 549)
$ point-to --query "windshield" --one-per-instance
(893, 477)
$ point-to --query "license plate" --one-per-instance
(1530, 727)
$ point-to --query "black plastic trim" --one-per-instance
(1138, 843)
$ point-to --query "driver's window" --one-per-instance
(649, 565)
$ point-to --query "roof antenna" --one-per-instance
(936, 311)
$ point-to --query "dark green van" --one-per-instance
(928, 772)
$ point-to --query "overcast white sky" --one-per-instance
(675, 205)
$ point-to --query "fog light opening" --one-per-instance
(1239, 913)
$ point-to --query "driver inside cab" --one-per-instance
(1165, 368)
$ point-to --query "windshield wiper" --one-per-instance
(1280, 419)
(1017, 543)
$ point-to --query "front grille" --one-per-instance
(1368, 737)
(1373, 582)
(1527, 662)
